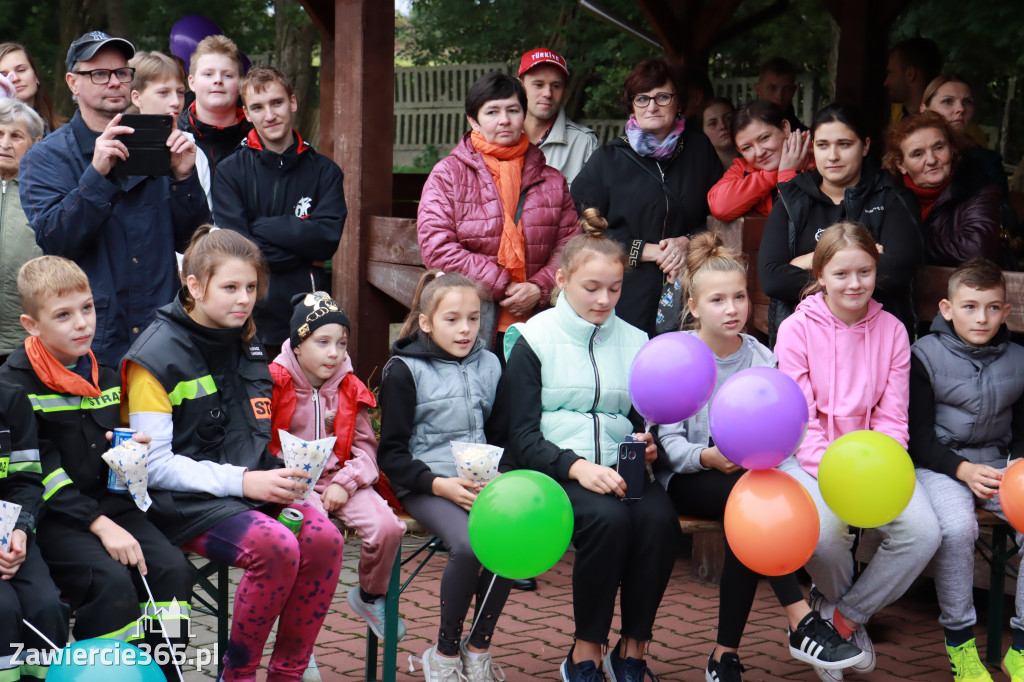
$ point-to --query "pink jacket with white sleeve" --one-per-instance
(853, 377)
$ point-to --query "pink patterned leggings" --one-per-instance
(285, 576)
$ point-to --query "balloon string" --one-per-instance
(41, 635)
(167, 639)
(480, 609)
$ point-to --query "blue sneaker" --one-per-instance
(584, 671)
(626, 670)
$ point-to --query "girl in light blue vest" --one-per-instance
(567, 375)
(438, 387)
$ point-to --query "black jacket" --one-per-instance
(293, 206)
(72, 437)
(803, 211)
(215, 143)
(228, 425)
(20, 472)
(964, 222)
(646, 201)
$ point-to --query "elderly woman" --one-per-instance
(959, 203)
(494, 211)
(652, 186)
(20, 128)
(20, 69)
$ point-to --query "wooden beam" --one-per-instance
(751, 22)
(669, 27)
(708, 26)
(393, 240)
(321, 12)
(361, 108)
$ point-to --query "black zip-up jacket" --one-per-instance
(644, 201)
(801, 214)
(220, 412)
(72, 437)
(293, 206)
(20, 472)
(215, 143)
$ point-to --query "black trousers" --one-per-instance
(703, 494)
(32, 596)
(106, 596)
(627, 547)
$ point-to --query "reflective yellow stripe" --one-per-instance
(62, 403)
(129, 633)
(54, 482)
(192, 389)
(25, 461)
(26, 468)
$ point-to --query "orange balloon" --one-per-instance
(771, 522)
(1011, 494)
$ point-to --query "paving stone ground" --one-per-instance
(534, 633)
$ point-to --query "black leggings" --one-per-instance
(703, 495)
(627, 547)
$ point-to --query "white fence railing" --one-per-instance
(430, 106)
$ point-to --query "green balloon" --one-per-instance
(520, 524)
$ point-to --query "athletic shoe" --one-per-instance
(966, 664)
(1013, 665)
(828, 675)
(584, 671)
(373, 613)
(480, 669)
(863, 641)
(815, 641)
(726, 670)
(625, 670)
(439, 668)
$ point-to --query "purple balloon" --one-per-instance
(672, 378)
(758, 417)
(187, 33)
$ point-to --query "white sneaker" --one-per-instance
(828, 675)
(862, 640)
(438, 668)
(480, 669)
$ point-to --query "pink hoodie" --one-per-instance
(853, 378)
(360, 470)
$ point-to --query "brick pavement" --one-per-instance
(534, 633)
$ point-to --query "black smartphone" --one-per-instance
(632, 467)
(148, 153)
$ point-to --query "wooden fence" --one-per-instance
(430, 115)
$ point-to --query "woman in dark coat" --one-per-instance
(652, 186)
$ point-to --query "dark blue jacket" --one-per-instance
(122, 231)
(293, 206)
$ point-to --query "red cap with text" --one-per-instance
(541, 55)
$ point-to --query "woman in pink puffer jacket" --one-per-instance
(466, 219)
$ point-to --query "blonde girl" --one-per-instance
(440, 386)
(197, 380)
(852, 361)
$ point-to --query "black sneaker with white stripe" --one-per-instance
(726, 670)
(815, 641)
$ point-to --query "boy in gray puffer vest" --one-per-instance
(966, 422)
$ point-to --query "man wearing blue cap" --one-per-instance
(122, 230)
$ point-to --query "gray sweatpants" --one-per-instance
(908, 543)
(954, 505)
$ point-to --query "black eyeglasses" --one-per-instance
(102, 76)
(662, 98)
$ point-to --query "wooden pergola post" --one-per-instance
(356, 121)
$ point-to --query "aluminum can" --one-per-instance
(291, 519)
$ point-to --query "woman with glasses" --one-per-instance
(652, 186)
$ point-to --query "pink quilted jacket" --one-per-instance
(460, 219)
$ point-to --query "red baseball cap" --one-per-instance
(541, 55)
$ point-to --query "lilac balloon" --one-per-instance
(186, 34)
(672, 378)
(758, 417)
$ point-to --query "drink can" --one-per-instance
(115, 483)
(291, 519)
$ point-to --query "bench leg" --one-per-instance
(390, 630)
(996, 588)
(223, 619)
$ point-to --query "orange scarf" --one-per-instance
(506, 167)
(58, 377)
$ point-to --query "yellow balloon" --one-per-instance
(866, 478)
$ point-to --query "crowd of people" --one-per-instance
(190, 304)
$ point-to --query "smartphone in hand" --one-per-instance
(148, 153)
(632, 466)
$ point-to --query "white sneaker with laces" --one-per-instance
(828, 675)
(438, 668)
(863, 640)
(479, 669)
